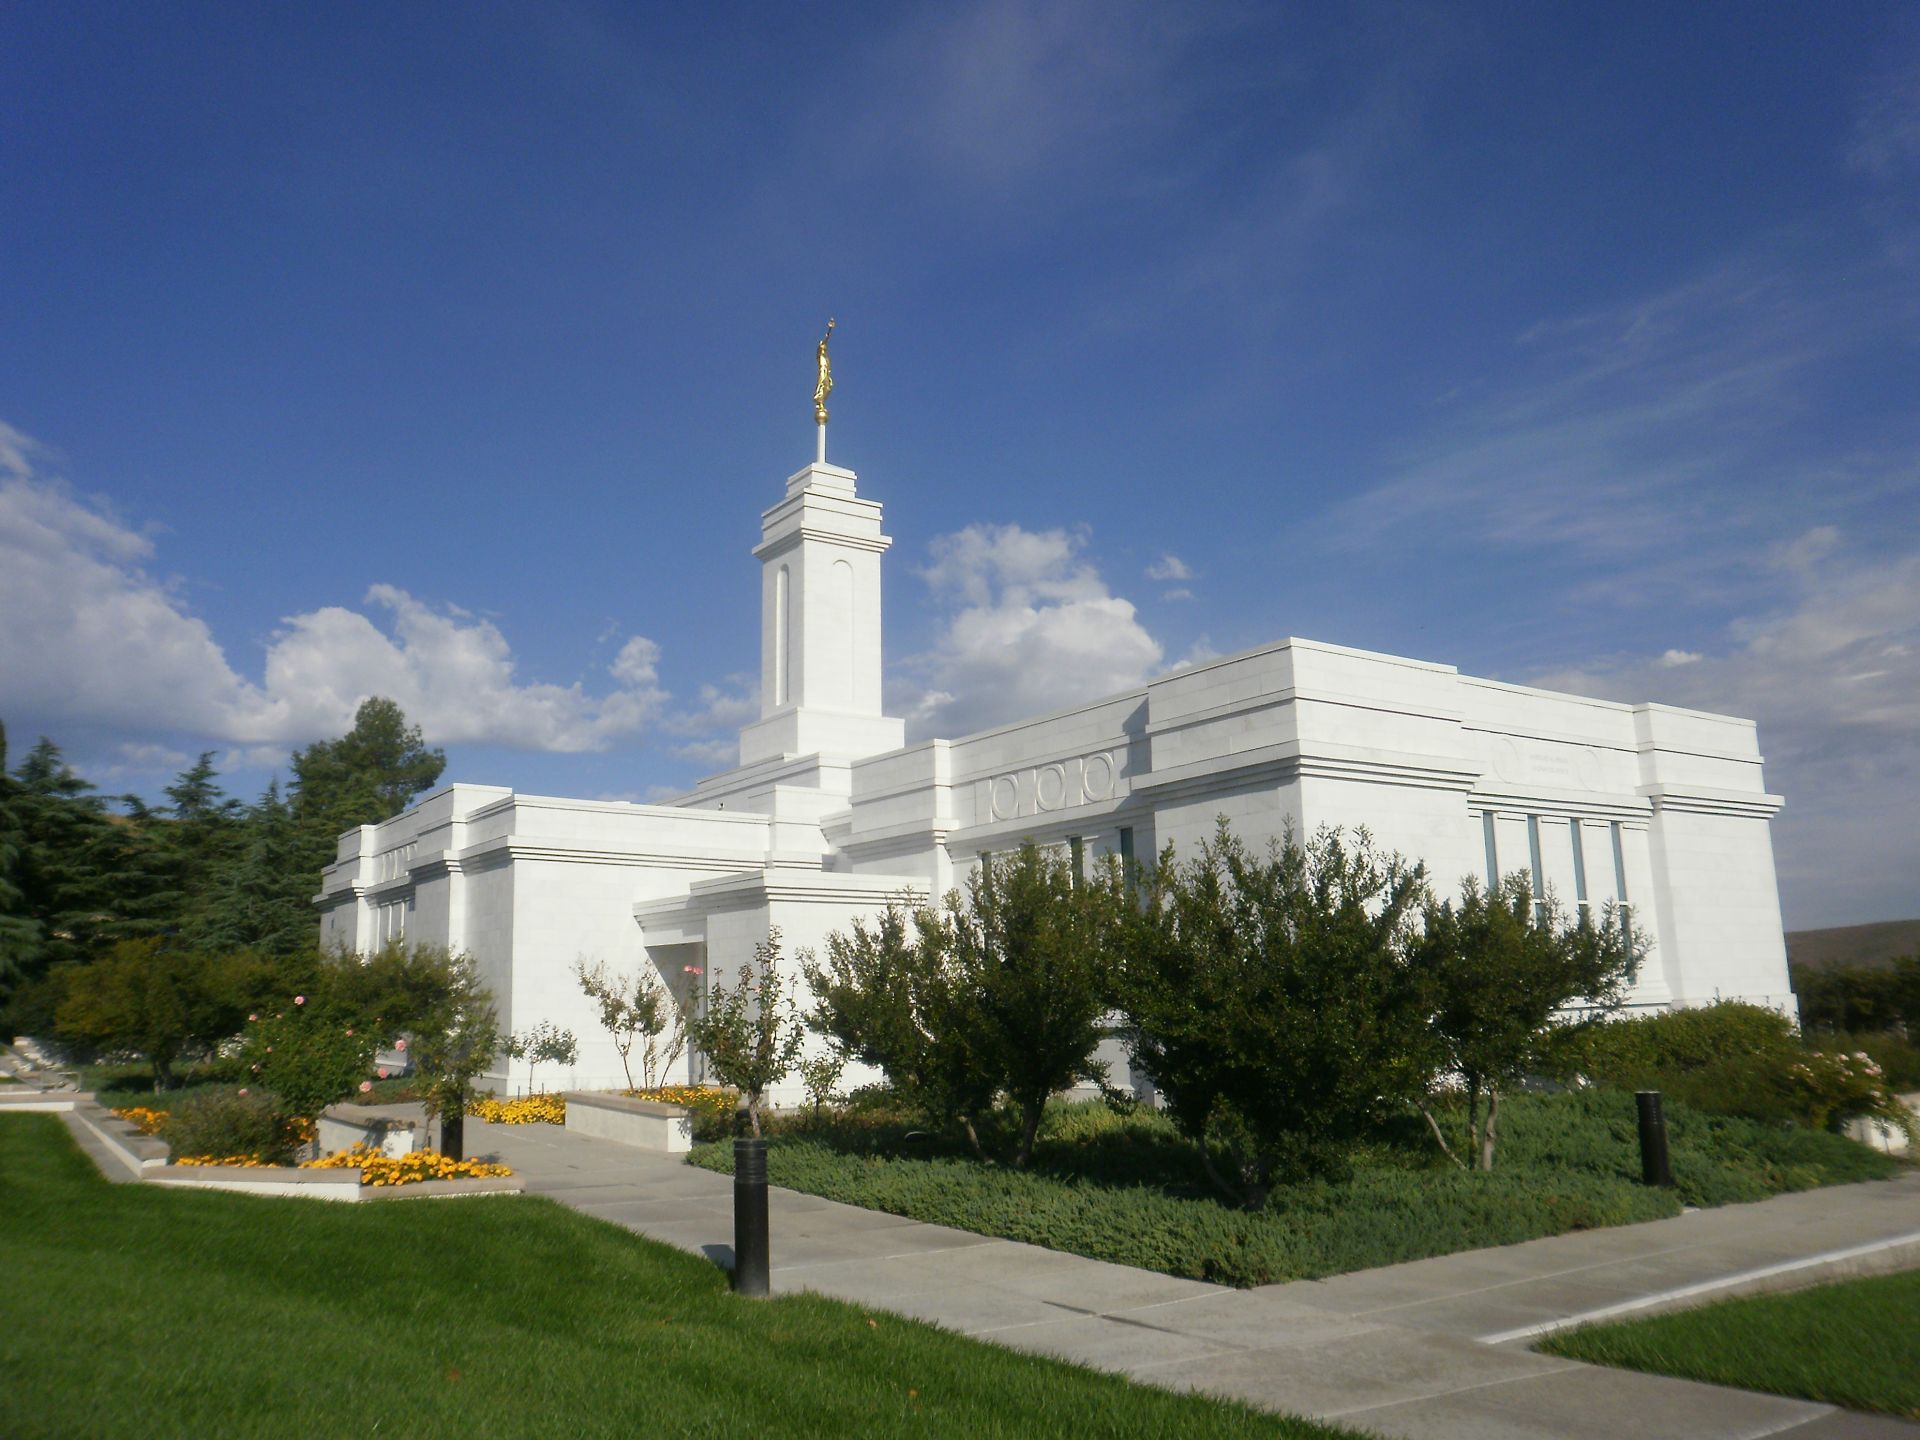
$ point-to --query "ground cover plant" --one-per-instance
(456, 1320)
(1856, 1343)
(1131, 1189)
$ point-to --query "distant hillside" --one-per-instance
(1874, 945)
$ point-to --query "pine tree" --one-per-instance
(204, 835)
(20, 932)
(368, 775)
(264, 898)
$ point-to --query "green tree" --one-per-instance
(262, 897)
(1504, 975)
(1273, 1004)
(750, 1032)
(888, 995)
(20, 931)
(201, 831)
(1033, 945)
(368, 775)
(454, 1043)
(1002, 993)
(146, 996)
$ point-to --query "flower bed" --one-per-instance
(527, 1110)
(375, 1168)
(378, 1169)
(147, 1121)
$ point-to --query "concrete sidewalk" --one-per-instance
(1427, 1350)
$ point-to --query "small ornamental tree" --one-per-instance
(1504, 973)
(309, 1053)
(1272, 1002)
(546, 1043)
(750, 1032)
(1032, 947)
(1002, 993)
(637, 1010)
(888, 995)
(455, 1042)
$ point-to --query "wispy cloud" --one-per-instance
(1169, 567)
(1831, 673)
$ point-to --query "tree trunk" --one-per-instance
(1240, 1197)
(1473, 1117)
(753, 1114)
(1487, 1141)
(1440, 1135)
(1029, 1128)
(973, 1138)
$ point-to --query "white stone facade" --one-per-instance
(829, 815)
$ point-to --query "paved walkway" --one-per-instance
(1431, 1350)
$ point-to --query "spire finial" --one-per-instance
(822, 388)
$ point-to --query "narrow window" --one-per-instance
(782, 633)
(1539, 890)
(1579, 868)
(1126, 857)
(1493, 851)
(1625, 911)
(1076, 858)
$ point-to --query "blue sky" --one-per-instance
(451, 352)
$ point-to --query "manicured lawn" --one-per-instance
(133, 1310)
(1855, 1344)
(1132, 1191)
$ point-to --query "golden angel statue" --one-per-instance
(824, 386)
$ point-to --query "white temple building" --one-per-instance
(830, 814)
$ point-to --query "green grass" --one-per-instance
(1855, 1344)
(1131, 1190)
(134, 1310)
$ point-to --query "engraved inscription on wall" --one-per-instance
(1059, 785)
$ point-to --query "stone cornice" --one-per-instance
(1746, 803)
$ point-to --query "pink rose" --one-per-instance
(252, 1018)
(349, 1032)
(299, 999)
(243, 1089)
(383, 1072)
(365, 1086)
(400, 1044)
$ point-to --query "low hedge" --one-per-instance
(1129, 1190)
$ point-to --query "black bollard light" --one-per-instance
(453, 1132)
(751, 1261)
(1655, 1167)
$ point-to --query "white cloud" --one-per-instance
(1169, 567)
(1029, 627)
(1678, 657)
(721, 752)
(723, 708)
(1176, 595)
(1831, 674)
(95, 641)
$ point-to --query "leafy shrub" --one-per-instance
(308, 1052)
(1273, 1002)
(1895, 1054)
(1731, 1058)
(223, 1124)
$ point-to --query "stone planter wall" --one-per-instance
(644, 1124)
